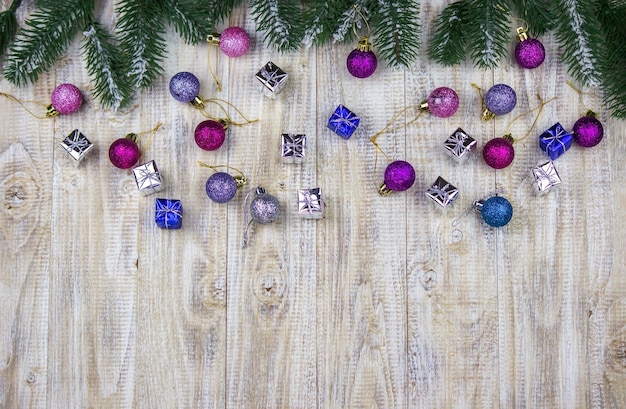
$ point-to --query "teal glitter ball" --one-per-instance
(497, 211)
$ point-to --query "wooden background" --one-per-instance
(388, 302)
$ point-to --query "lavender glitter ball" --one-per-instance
(498, 153)
(234, 42)
(443, 102)
(530, 53)
(500, 99)
(221, 187)
(184, 86)
(66, 99)
(399, 176)
(210, 135)
(361, 64)
(124, 153)
(265, 208)
(588, 131)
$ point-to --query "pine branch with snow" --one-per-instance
(44, 38)
(280, 21)
(490, 38)
(538, 15)
(141, 29)
(329, 20)
(106, 68)
(191, 25)
(396, 30)
(448, 45)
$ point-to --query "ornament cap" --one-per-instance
(487, 115)
(260, 191)
(197, 102)
(213, 39)
(132, 137)
(241, 180)
(591, 114)
(508, 137)
(364, 45)
(51, 112)
(424, 105)
(383, 190)
(521, 34)
(478, 205)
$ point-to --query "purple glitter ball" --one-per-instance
(184, 86)
(210, 135)
(500, 99)
(443, 102)
(588, 131)
(498, 153)
(530, 53)
(234, 42)
(66, 99)
(124, 153)
(361, 64)
(399, 176)
(221, 187)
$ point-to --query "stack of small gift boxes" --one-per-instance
(310, 202)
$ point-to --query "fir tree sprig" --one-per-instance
(217, 10)
(191, 25)
(396, 30)
(538, 14)
(105, 66)
(45, 37)
(280, 21)
(325, 19)
(612, 68)
(8, 25)
(448, 45)
(141, 30)
(579, 35)
(488, 43)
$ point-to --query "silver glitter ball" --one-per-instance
(264, 208)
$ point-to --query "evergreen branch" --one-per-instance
(8, 28)
(280, 21)
(349, 18)
(330, 19)
(45, 37)
(490, 39)
(539, 14)
(104, 65)
(217, 10)
(448, 45)
(578, 33)
(141, 31)
(194, 27)
(397, 30)
(613, 79)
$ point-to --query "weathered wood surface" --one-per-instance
(387, 302)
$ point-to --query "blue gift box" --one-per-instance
(343, 122)
(555, 141)
(169, 214)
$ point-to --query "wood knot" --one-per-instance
(618, 354)
(428, 280)
(31, 379)
(270, 288)
(19, 193)
(213, 291)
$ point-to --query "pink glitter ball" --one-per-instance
(361, 64)
(530, 53)
(210, 135)
(124, 153)
(234, 42)
(498, 153)
(66, 99)
(443, 102)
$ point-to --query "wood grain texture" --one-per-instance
(386, 302)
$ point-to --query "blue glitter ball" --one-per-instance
(221, 187)
(500, 99)
(497, 211)
(184, 86)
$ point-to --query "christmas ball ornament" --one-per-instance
(499, 153)
(496, 211)
(184, 87)
(221, 187)
(362, 61)
(210, 134)
(399, 176)
(443, 102)
(65, 99)
(264, 208)
(588, 131)
(124, 152)
(529, 52)
(499, 100)
(234, 41)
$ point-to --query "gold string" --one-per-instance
(228, 119)
(540, 108)
(358, 11)
(213, 74)
(150, 138)
(22, 103)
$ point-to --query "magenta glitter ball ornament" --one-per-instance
(124, 153)
(588, 131)
(234, 41)
(210, 135)
(362, 61)
(529, 52)
(443, 102)
(498, 153)
(66, 99)
(399, 176)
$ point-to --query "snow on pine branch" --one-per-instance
(582, 52)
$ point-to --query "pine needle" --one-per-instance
(490, 37)
(280, 21)
(396, 30)
(191, 25)
(448, 45)
(537, 14)
(612, 68)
